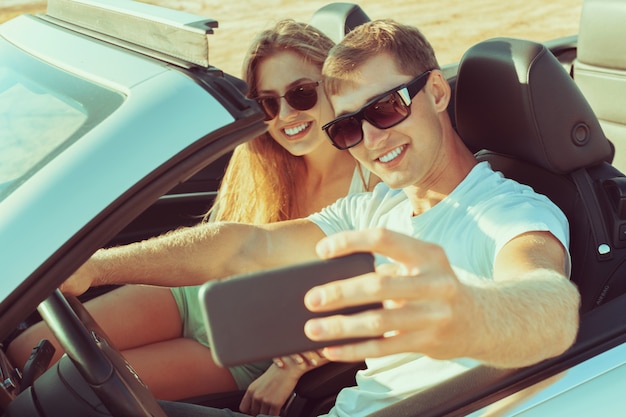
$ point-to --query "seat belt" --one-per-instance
(589, 199)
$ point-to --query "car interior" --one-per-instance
(541, 117)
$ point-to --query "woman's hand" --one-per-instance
(269, 393)
(305, 361)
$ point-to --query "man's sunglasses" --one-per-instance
(383, 112)
(302, 97)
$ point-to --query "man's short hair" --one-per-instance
(412, 52)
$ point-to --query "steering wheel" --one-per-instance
(102, 366)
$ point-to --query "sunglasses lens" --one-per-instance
(387, 112)
(384, 113)
(270, 106)
(345, 133)
(303, 97)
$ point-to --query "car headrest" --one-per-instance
(514, 97)
(335, 20)
(602, 33)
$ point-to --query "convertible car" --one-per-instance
(111, 133)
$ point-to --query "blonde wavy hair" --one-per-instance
(260, 183)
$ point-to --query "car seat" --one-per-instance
(517, 104)
(600, 68)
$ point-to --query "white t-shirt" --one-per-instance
(472, 224)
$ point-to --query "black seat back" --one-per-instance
(514, 97)
(517, 105)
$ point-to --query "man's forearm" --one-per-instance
(187, 256)
(194, 255)
(527, 320)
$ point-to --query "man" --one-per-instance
(472, 268)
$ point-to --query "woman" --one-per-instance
(289, 172)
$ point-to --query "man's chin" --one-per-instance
(395, 183)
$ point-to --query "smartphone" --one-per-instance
(261, 315)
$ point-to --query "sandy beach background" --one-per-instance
(452, 26)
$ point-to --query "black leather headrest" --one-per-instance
(514, 97)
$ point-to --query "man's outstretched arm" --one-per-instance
(194, 255)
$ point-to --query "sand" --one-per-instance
(451, 25)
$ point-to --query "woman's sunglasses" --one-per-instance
(302, 97)
(383, 112)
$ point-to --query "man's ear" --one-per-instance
(440, 90)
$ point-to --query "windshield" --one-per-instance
(43, 110)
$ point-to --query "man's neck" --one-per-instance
(425, 196)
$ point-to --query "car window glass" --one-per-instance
(33, 123)
(42, 111)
